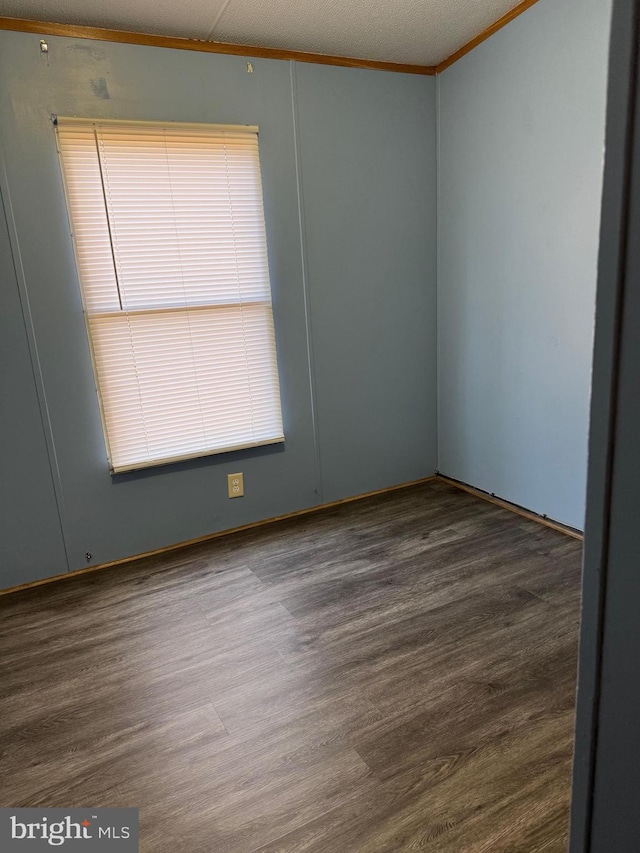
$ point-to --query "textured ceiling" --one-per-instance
(420, 32)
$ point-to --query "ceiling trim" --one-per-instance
(484, 35)
(125, 37)
(100, 34)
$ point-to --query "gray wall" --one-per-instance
(30, 536)
(375, 308)
(372, 296)
(349, 163)
(520, 173)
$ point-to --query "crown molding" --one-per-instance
(49, 28)
(46, 28)
(485, 34)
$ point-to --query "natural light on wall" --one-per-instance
(170, 242)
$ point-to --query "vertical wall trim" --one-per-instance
(45, 420)
(305, 280)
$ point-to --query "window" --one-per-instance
(170, 243)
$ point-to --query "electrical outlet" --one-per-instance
(235, 485)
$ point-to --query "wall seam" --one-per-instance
(305, 281)
(36, 369)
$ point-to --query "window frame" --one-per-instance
(267, 304)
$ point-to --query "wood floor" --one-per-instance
(395, 674)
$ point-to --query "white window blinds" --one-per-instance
(169, 234)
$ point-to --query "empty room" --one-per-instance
(296, 340)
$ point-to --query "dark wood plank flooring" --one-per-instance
(395, 674)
